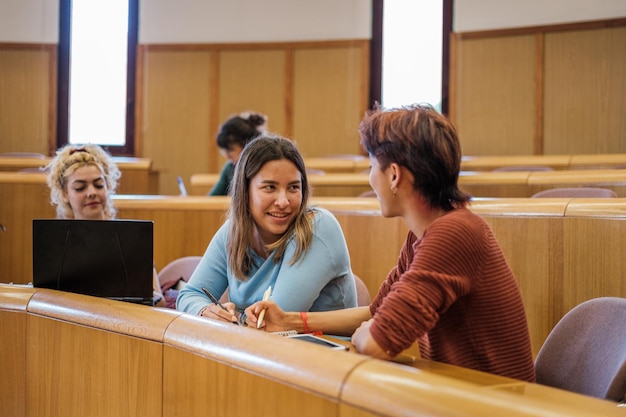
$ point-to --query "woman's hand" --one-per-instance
(364, 342)
(214, 311)
(274, 319)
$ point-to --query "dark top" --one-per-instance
(223, 183)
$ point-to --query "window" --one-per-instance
(410, 48)
(96, 73)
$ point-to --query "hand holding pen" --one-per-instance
(266, 296)
(215, 301)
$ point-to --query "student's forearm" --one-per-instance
(338, 322)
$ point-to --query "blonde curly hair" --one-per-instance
(67, 160)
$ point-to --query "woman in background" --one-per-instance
(272, 239)
(233, 135)
(82, 179)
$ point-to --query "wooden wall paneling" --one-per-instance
(495, 103)
(175, 129)
(253, 80)
(539, 86)
(328, 99)
(585, 91)
(28, 98)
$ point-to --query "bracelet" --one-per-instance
(306, 326)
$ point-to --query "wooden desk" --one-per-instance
(495, 184)
(489, 163)
(356, 164)
(145, 361)
(527, 183)
(614, 179)
(325, 185)
(137, 174)
(598, 161)
(556, 162)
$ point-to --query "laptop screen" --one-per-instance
(102, 258)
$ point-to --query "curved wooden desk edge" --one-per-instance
(294, 362)
(101, 313)
(597, 207)
(389, 389)
(15, 297)
(538, 207)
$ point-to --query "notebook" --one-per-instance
(102, 258)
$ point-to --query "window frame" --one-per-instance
(63, 78)
(376, 53)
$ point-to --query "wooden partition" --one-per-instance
(13, 302)
(23, 197)
(554, 246)
(323, 185)
(489, 163)
(477, 183)
(138, 177)
(339, 164)
(102, 358)
(556, 162)
(527, 183)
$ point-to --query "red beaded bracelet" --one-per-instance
(306, 326)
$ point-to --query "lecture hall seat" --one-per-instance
(586, 350)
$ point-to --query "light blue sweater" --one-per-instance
(320, 280)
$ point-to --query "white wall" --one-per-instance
(216, 21)
(189, 21)
(475, 15)
(29, 21)
(203, 21)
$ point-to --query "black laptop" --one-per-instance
(102, 258)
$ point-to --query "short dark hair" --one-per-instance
(240, 129)
(423, 141)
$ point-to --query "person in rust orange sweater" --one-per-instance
(452, 289)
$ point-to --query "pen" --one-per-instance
(215, 301)
(266, 297)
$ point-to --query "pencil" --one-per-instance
(215, 300)
(266, 297)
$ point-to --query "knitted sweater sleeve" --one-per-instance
(431, 275)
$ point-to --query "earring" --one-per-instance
(394, 191)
